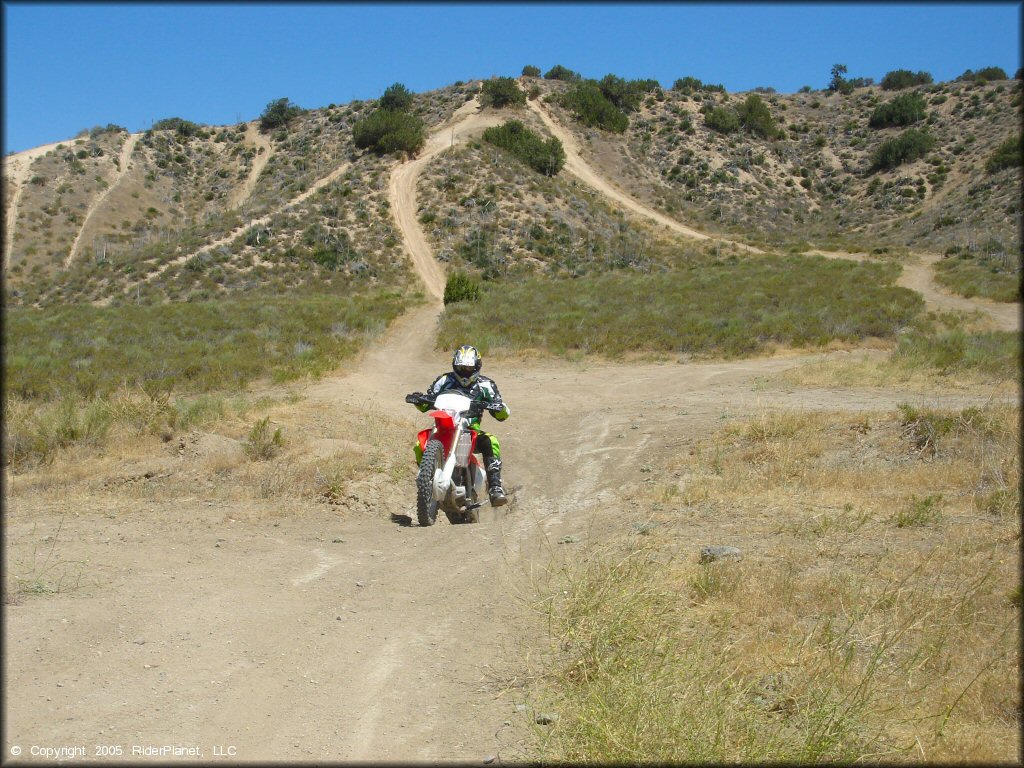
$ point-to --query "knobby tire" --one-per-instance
(426, 506)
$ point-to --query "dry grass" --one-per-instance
(942, 351)
(875, 614)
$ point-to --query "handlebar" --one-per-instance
(476, 407)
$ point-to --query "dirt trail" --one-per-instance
(402, 189)
(242, 228)
(122, 170)
(16, 168)
(293, 633)
(259, 161)
(578, 167)
(919, 275)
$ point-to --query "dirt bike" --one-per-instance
(450, 476)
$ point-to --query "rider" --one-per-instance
(465, 378)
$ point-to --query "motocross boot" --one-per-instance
(494, 489)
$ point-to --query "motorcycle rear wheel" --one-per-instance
(426, 505)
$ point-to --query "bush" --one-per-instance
(983, 75)
(591, 107)
(546, 157)
(756, 118)
(261, 444)
(1009, 154)
(899, 79)
(384, 132)
(397, 98)
(461, 287)
(558, 72)
(278, 114)
(84, 350)
(903, 110)
(626, 94)
(531, 71)
(689, 85)
(907, 147)
(722, 119)
(184, 128)
(502, 92)
(731, 307)
(99, 130)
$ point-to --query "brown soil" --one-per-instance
(291, 632)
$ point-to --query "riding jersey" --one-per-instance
(482, 388)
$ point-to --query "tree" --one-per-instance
(502, 92)
(278, 114)
(531, 71)
(984, 75)
(386, 131)
(757, 118)
(908, 146)
(838, 82)
(899, 79)
(558, 72)
(397, 98)
(546, 157)
(905, 109)
(591, 107)
(722, 119)
(1009, 154)
(626, 94)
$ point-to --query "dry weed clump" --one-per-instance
(875, 614)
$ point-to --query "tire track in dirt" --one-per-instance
(300, 634)
(242, 228)
(919, 275)
(259, 162)
(16, 168)
(122, 171)
(578, 167)
(402, 191)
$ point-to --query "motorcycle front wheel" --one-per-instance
(426, 505)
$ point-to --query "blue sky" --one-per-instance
(69, 66)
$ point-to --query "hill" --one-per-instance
(184, 211)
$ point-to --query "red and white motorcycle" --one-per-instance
(450, 477)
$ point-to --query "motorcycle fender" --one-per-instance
(423, 437)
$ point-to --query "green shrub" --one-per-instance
(278, 114)
(384, 132)
(905, 109)
(197, 346)
(461, 287)
(558, 72)
(592, 108)
(722, 119)
(625, 94)
(531, 71)
(97, 131)
(546, 157)
(502, 92)
(755, 116)
(1009, 154)
(983, 75)
(899, 79)
(690, 85)
(907, 147)
(729, 307)
(184, 128)
(397, 98)
(994, 353)
(261, 444)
